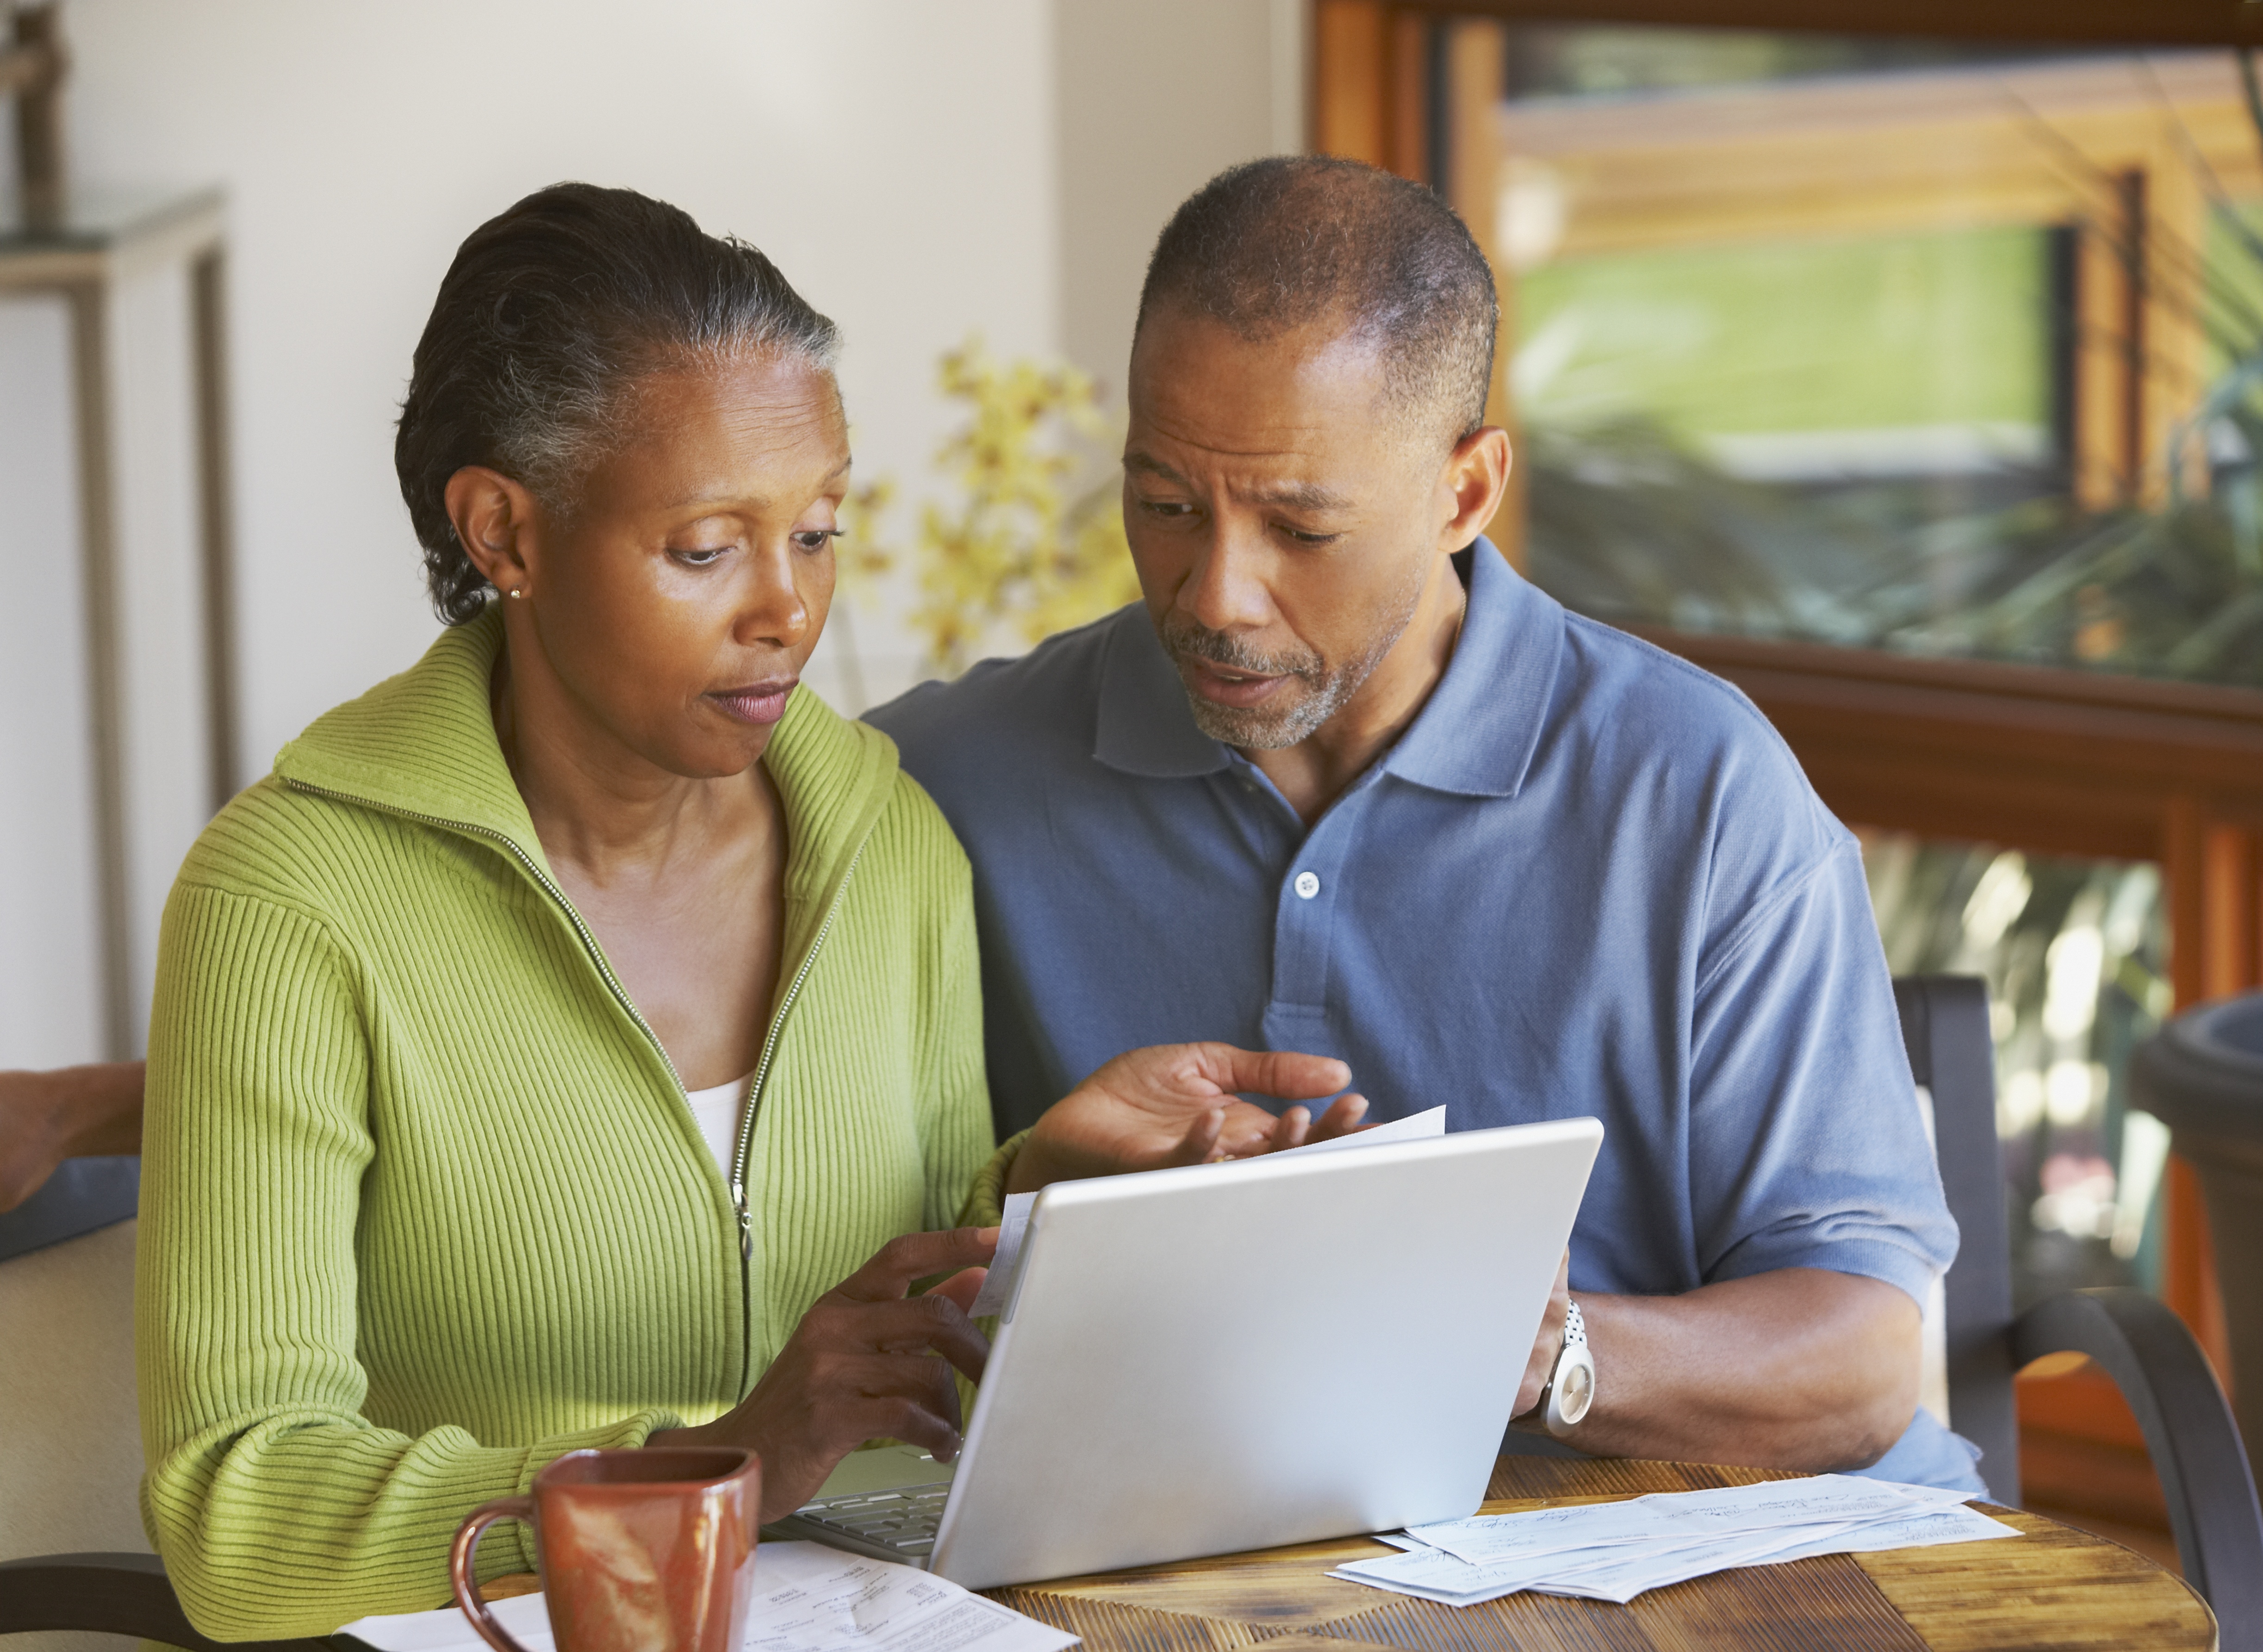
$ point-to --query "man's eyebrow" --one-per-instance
(1296, 495)
(1148, 465)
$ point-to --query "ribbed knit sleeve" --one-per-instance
(280, 1510)
(956, 1125)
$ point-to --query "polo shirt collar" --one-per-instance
(1475, 737)
(1477, 732)
(1145, 726)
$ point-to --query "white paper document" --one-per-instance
(1614, 1551)
(998, 1288)
(997, 1292)
(807, 1598)
(1415, 1127)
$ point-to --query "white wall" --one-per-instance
(892, 155)
(921, 171)
(1155, 98)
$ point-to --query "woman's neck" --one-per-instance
(599, 807)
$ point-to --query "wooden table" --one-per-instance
(2055, 1587)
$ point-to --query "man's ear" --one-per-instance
(494, 518)
(1475, 477)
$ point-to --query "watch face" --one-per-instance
(1575, 1391)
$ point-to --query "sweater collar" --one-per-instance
(423, 744)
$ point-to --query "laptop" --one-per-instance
(1227, 1357)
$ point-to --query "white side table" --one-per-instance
(104, 239)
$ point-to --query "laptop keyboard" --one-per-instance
(903, 1519)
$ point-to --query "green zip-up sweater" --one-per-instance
(424, 1206)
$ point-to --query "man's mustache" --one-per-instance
(1181, 635)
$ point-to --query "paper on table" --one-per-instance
(1915, 1531)
(1624, 1579)
(1619, 1550)
(811, 1598)
(997, 1292)
(807, 1598)
(1773, 1503)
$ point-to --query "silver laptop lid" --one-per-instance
(1275, 1351)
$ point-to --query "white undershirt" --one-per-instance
(718, 1112)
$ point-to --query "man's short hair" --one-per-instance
(1273, 245)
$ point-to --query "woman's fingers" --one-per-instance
(1289, 1128)
(917, 1256)
(932, 1324)
(961, 1288)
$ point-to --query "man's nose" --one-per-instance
(1225, 589)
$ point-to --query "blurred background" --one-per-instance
(1899, 362)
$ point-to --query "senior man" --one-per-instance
(1346, 783)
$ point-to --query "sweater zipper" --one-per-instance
(754, 1103)
(620, 996)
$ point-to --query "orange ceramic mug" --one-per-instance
(641, 1551)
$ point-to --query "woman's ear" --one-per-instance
(494, 519)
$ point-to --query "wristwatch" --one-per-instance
(1571, 1388)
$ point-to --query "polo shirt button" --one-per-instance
(1307, 884)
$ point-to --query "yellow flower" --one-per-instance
(1015, 546)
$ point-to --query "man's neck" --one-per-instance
(1319, 769)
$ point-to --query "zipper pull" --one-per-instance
(746, 1229)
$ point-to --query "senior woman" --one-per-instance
(574, 1041)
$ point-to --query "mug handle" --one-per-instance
(460, 1574)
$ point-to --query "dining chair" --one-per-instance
(71, 1443)
(2187, 1424)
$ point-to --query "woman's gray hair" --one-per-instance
(548, 319)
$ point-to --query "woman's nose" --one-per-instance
(771, 610)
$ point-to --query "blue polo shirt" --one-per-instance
(1588, 879)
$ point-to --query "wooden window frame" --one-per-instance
(2041, 760)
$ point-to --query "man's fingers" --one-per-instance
(1282, 1073)
(915, 1256)
(1199, 1145)
(1343, 1118)
(1289, 1130)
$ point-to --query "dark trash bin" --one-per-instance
(2203, 1076)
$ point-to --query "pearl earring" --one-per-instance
(515, 591)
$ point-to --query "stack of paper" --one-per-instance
(1614, 1551)
(807, 1598)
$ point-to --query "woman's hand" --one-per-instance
(868, 1360)
(1175, 1104)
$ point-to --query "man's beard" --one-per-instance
(1325, 689)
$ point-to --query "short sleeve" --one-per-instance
(1807, 1148)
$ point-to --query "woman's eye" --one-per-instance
(815, 539)
(1167, 508)
(1301, 536)
(699, 556)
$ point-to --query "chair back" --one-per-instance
(70, 1447)
(1952, 1056)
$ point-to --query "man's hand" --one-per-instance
(868, 1360)
(1178, 1104)
(47, 1117)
